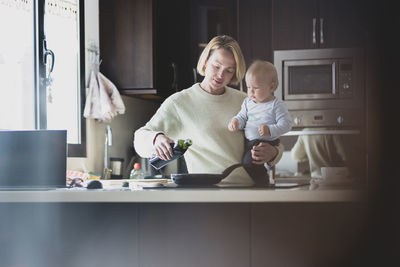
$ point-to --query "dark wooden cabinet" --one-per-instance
(293, 24)
(145, 45)
(126, 38)
(152, 46)
(308, 24)
(189, 234)
(196, 234)
(255, 29)
(305, 234)
(172, 65)
(344, 23)
(210, 18)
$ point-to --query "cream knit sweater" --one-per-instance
(195, 114)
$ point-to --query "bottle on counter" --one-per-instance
(179, 148)
(136, 172)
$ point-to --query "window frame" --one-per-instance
(74, 150)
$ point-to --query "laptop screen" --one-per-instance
(33, 158)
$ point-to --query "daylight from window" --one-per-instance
(62, 35)
(20, 102)
(17, 87)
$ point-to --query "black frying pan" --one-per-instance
(202, 178)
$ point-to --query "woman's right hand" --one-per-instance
(162, 145)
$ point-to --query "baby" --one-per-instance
(263, 117)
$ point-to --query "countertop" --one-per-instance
(215, 194)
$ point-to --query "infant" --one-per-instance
(263, 117)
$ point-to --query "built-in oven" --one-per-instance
(322, 87)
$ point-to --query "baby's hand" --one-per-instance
(233, 125)
(263, 130)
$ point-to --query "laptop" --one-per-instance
(32, 160)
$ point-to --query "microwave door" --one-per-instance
(310, 79)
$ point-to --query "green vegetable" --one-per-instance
(184, 144)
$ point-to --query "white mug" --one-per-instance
(334, 172)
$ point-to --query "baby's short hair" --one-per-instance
(263, 70)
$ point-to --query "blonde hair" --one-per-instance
(229, 44)
(263, 70)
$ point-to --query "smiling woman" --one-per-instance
(41, 68)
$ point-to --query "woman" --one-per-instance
(202, 113)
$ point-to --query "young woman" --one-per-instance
(202, 113)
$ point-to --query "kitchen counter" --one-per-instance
(168, 227)
(189, 195)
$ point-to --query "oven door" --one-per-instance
(310, 79)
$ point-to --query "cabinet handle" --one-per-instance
(194, 75)
(314, 38)
(174, 84)
(321, 30)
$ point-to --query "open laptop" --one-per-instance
(33, 160)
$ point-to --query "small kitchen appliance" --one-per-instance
(322, 87)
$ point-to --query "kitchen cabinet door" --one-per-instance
(305, 234)
(255, 29)
(172, 68)
(308, 24)
(294, 24)
(194, 234)
(126, 43)
(342, 23)
(145, 45)
(69, 234)
(210, 18)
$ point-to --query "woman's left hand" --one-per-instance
(263, 153)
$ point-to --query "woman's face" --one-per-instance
(220, 68)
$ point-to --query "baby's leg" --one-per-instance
(256, 172)
(247, 158)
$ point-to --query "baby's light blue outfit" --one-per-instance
(273, 113)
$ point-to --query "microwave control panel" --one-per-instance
(345, 79)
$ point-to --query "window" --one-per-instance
(17, 65)
(42, 68)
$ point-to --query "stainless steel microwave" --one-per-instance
(322, 87)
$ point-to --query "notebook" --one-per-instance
(33, 159)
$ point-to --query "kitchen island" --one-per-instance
(186, 195)
(182, 227)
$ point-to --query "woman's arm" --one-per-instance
(165, 121)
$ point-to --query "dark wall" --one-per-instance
(384, 240)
